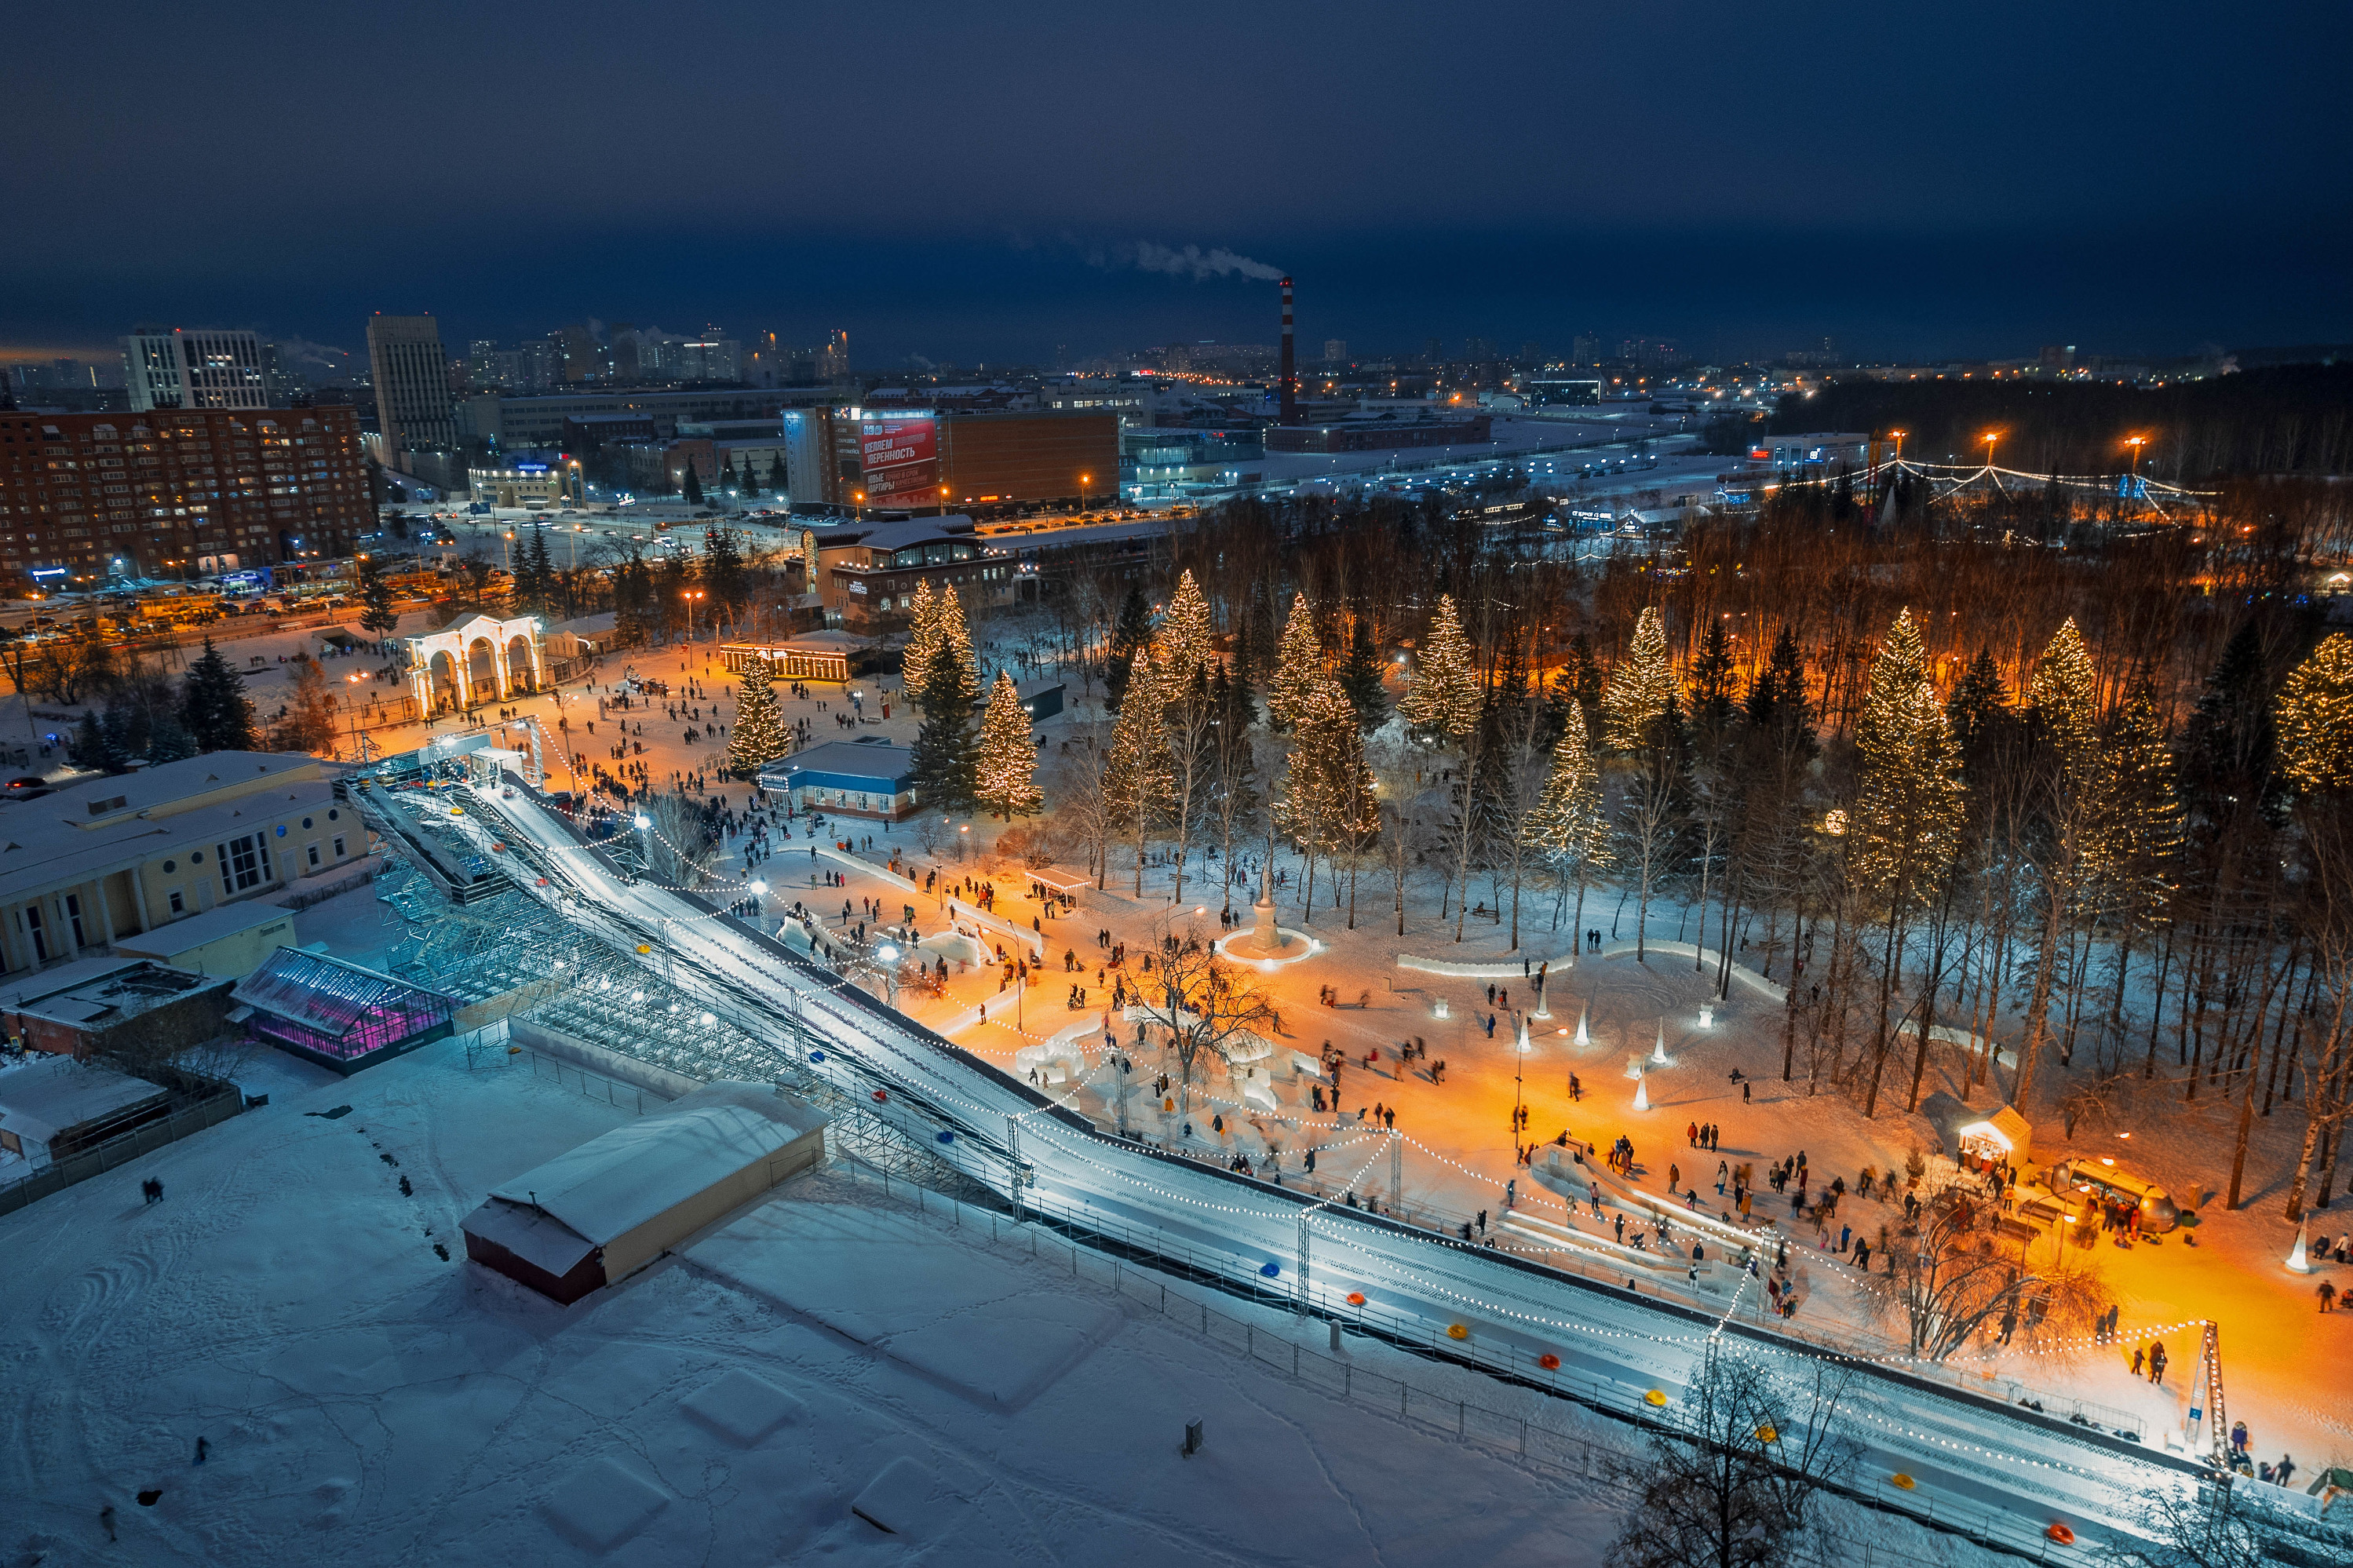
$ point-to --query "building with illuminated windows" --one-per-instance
(195, 368)
(177, 493)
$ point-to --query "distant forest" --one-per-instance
(2283, 419)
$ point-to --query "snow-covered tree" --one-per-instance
(1640, 686)
(1004, 771)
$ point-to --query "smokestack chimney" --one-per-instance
(1289, 414)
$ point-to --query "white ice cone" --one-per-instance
(1659, 1051)
(1523, 1032)
(1584, 1037)
(1642, 1094)
(2296, 1261)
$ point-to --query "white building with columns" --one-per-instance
(480, 660)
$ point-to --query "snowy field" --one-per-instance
(365, 1401)
(826, 1358)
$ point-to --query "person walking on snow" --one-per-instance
(2328, 1296)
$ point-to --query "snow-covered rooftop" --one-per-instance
(611, 1184)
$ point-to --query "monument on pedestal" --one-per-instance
(1265, 940)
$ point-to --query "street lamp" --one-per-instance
(1083, 491)
(690, 595)
(943, 501)
(2136, 443)
(860, 497)
(1989, 437)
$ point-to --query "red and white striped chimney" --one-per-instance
(1289, 414)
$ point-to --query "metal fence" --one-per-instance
(1095, 1246)
(498, 1056)
(114, 1153)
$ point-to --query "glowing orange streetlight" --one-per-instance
(1989, 437)
(2136, 443)
(1083, 491)
(943, 501)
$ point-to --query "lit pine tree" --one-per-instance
(923, 639)
(941, 763)
(1906, 823)
(958, 641)
(1004, 769)
(1135, 767)
(1568, 824)
(1883, 732)
(759, 735)
(2316, 719)
(1183, 646)
(1640, 687)
(2072, 794)
(1444, 701)
(1298, 663)
(1328, 802)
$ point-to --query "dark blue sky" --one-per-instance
(975, 183)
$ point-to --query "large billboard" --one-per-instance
(899, 454)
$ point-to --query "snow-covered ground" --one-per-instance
(366, 1400)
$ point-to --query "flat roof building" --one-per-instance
(411, 376)
(206, 367)
(178, 491)
(851, 778)
(111, 858)
(56, 1107)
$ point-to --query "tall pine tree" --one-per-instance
(942, 764)
(213, 708)
(1131, 635)
(1183, 644)
(923, 637)
(1640, 687)
(1569, 825)
(1136, 769)
(1298, 666)
(1006, 771)
(1360, 676)
(1444, 701)
(760, 735)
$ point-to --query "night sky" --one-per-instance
(983, 182)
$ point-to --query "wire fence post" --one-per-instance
(1300, 1298)
(1396, 1168)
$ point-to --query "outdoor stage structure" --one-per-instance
(480, 660)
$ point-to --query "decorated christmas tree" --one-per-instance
(1640, 686)
(1005, 769)
(1444, 699)
(759, 735)
(1298, 665)
(2316, 717)
(1184, 632)
(1569, 824)
(922, 640)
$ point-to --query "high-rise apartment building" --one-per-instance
(177, 493)
(193, 368)
(412, 385)
(1334, 350)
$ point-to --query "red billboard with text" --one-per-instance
(900, 455)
